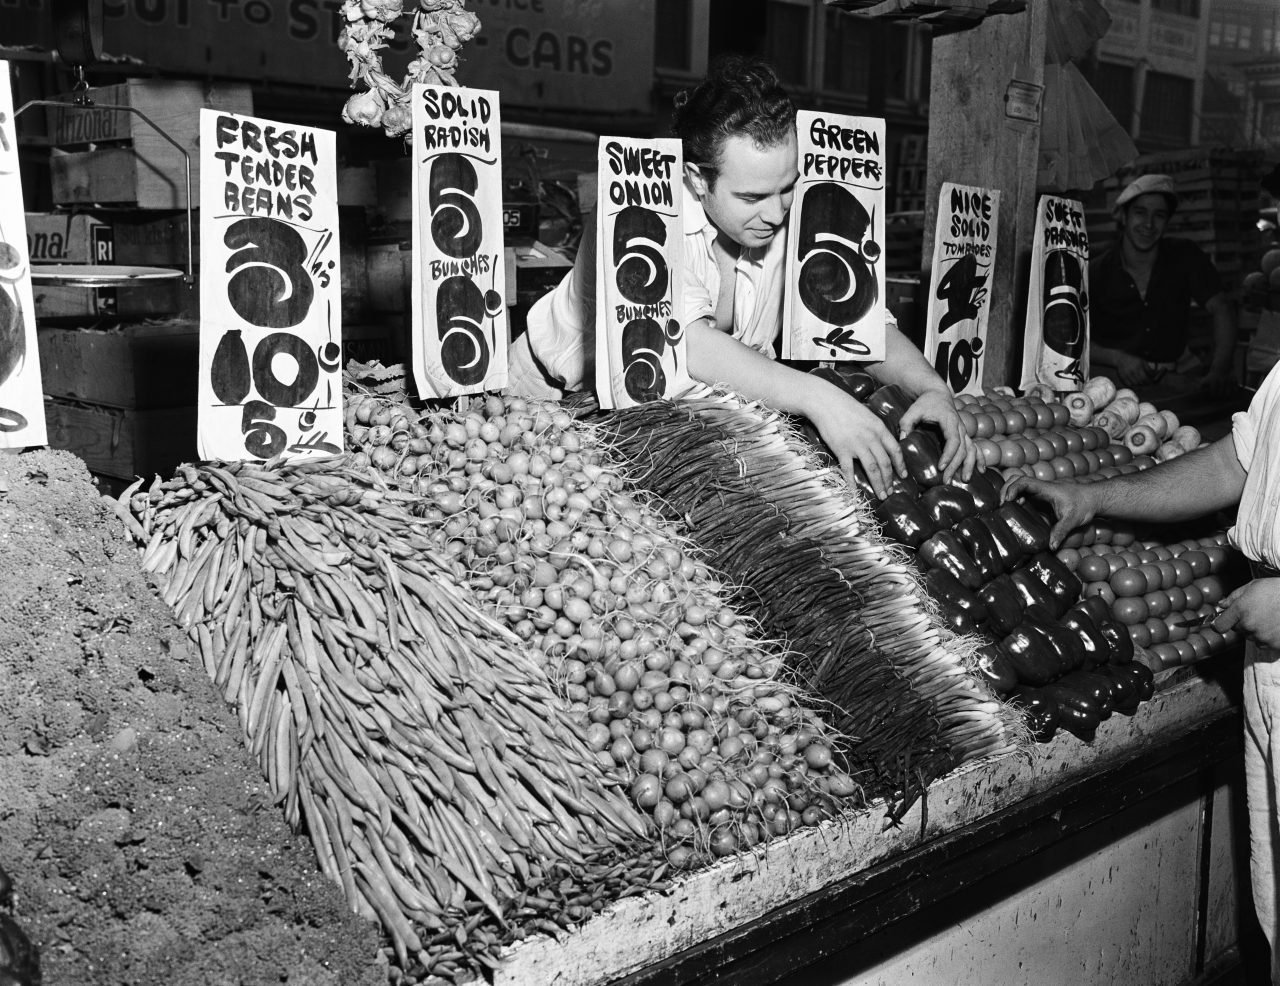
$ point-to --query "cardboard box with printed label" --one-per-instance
(69, 238)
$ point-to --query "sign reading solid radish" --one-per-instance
(270, 305)
(964, 254)
(1055, 348)
(640, 344)
(460, 330)
(834, 302)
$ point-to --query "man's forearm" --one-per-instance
(1224, 333)
(717, 357)
(1189, 486)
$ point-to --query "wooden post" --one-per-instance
(980, 78)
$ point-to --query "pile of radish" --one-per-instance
(672, 687)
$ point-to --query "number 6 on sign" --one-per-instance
(270, 306)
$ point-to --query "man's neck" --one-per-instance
(1134, 258)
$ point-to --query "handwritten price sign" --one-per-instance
(270, 303)
(1056, 340)
(964, 253)
(640, 345)
(21, 400)
(460, 332)
(833, 307)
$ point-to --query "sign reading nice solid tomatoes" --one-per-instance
(21, 399)
(640, 345)
(270, 307)
(459, 281)
(964, 252)
(834, 303)
(1056, 341)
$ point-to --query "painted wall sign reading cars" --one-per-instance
(270, 305)
(834, 307)
(460, 330)
(21, 399)
(964, 254)
(640, 344)
(1056, 340)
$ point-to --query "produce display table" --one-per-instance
(850, 882)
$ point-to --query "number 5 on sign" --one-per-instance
(270, 301)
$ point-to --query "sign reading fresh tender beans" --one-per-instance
(270, 303)
(964, 254)
(21, 398)
(459, 282)
(1056, 339)
(640, 344)
(834, 303)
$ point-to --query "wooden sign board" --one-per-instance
(834, 307)
(1056, 340)
(640, 346)
(21, 400)
(270, 305)
(460, 331)
(964, 255)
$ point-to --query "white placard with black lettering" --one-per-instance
(1056, 339)
(460, 332)
(639, 346)
(834, 307)
(964, 255)
(21, 399)
(270, 290)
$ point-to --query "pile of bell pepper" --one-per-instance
(989, 568)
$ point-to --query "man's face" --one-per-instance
(751, 194)
(1145, 220)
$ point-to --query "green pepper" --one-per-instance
(975, 536)
(1069, 647)
(905, 485)
(858, 384)
(944, 550)
(995, 668)
(1040, 712)
(889, 404)
(1004, 605)
(1034, 661)
(1032, 534)
(1124, 689)
(983, 488)
(1142, 678)
(902, 520)
(959, 606)
(1080, 622)
(1079, 720)
(947, 505)
(1095, 686)
(1010, 551)
(920, 452)
(863, 483)
(1097, 608)
(1117, 637)
(1034, 592)
(1057, 578)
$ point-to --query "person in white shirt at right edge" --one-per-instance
(737, 129)
(1242, 468)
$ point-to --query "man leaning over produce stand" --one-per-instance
(737, 128)
(1242, 468)
(1140, 295)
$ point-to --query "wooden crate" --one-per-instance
(69, 238)
(141, 367)
(130, 162)
(123, 443)
(157, 299)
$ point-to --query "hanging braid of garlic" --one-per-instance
(440, 28)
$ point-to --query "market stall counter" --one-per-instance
(1130, 843)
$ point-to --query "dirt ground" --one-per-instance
(138, 833)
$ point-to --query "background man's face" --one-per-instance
(1145, 219)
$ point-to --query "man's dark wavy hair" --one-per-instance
(740, 96)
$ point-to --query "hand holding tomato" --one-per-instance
(1073, 503)
(959, 454)
(1253, 609)
(852, 432)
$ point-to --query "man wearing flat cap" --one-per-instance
(1141, 293)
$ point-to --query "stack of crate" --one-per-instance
(1219, 198)
(120, 363)
(910, 173)
(904, 243)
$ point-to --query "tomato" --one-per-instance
(989, 451)
(1176, 632)
(983, 425)
(1214, 641)
(1045, 447)
(1186, 653)
(1145, 554)
(1167, 655)
(968, 421)
(1060, 414)
(1157, 630)
(1030, 453)
(1177, 598)
(1129, 609)
(1194, 597)
(1168, 574)
(1088, 439)
(1158, 605)
(1106, 460)
(1198, 561)
(1129, 582)
(1044, 414)
(1044, 471)
(1073, 440)
(1217, 557)
(1211, 591)
(1120, 454)
(1101, 589)
(1093, 568)
(1014, 422)
(1115, 562)
(1139, 634)
(1199, 646)
(1183, 573)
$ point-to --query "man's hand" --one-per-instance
(1132, 370)
(1253, 609)
(1073, 503)
(959, 454)
(852, 432)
